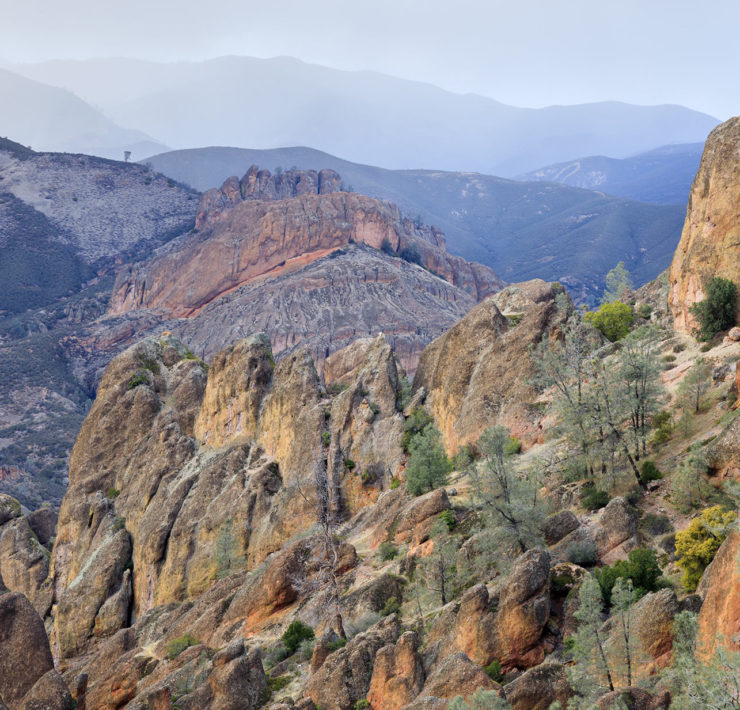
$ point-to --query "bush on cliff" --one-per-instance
(613, 320)
(717, 311)
(428, 464)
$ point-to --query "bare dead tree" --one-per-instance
(326, 559)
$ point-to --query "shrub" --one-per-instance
(113, 493)
(448, 518)
(641, 567)
(296, 632)
(386, 248)
(305, 650)
(717, 311)
(417, 421)
(362, 704)
(428, 464)
(178, 645)
(582, 553)
(663, 426)
(654, 524)
(395, 482)
(592, 498)
(650, 472)
(138, 378)
(410, 254)
(392, 606)
(349, 464)
(336, 644)
(493, 671)
(275, 655)
(512, 446)
(706, 347)
(697, 545)
(325, 438)
(387, 551)
(352, 628)
(644, 310)
(613, 320)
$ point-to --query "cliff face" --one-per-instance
(476, 374)
(262, 227)
(179, 472)
(710, 242)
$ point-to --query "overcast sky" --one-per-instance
(522, 52)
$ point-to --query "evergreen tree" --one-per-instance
(428, 465)
(695, 385)
(618, 284)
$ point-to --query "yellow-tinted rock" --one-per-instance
(710, 241)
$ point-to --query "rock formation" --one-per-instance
(476, 374)
(710, 241)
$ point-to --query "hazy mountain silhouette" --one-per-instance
(365, 116)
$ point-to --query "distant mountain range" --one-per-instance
(663, 175)
(364, 116)
(522, 230)
(49, 118)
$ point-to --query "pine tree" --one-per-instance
(695, 385)
(618, 284)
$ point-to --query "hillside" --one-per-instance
(50, 118)
(364, 116)
(521, 230)
(662, 176)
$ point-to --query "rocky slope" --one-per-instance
(710, 238)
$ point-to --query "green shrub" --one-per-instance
(113, 493)
(362, 704)
(119, 523)
(613, 320)
(336, 644)
(448, 518)
(296, 632)
(275, 655)
(592, 498)
(178, 645)
(706, 347)
(418, 420)
(512, 446)
(641, 567)
(138, 378)
(582, 553)
(305, 650)
(655, 524)
(493, 671)
(697, 545)
(650, 472)
(395, 482)
(644, 310)
(349, 464)
(387, 551)
(325, 438)
(428, 464)
(663, 426)
(392, 606)
(669, 358)
(717, 311)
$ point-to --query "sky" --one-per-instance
(522, 52)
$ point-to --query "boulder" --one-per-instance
(557, 526)
(523, 610)
(719, 618)
(474, 631)
(398, 675)
(49, 693)
(632, 698)
(10, 508)
(24, 563)
(24, 649)
(619, 523)
(539, 687)
(457, 675)
(344, 677)
(43, 522)
(419, 515)
(479, 372)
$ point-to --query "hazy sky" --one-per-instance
(523, 52)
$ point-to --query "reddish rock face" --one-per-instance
(240, 240)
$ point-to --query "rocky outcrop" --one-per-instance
(719, 618)
(345, 676)
(457, 675)
(244, 240)
(711, 234)
(27, 676)
(398, 674)
(190, 475)
(477, 374)
(539, 687)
